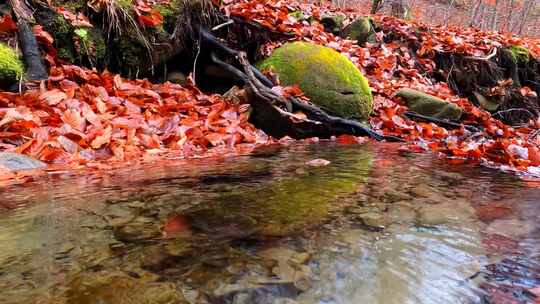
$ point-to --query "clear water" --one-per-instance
(373, 226)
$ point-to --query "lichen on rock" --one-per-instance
(327, 77)
(429, 105)
(11, 67)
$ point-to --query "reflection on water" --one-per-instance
(371, 227)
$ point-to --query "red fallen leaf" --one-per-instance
(152, 20)
(7, 24)
(74, 119)
(493, 211)
(534, 156)
(42, 36)
(53, 97)
(68, 145)
(102, 139)
(347, 139)
(77, 20)
(177, 225)
(318, 162)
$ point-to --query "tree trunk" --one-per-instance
(494, 16)
(509, 17)
(474, 13)
(524, 15)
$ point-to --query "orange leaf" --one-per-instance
(102, 139)
(74, 119)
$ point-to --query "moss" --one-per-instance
(63, 33)
(169, 9)
(428, 105)
(298, 15)
(11, 67)
(328, 78)
(360, 30)
(333, 24)
(519, 54)
(73, 6)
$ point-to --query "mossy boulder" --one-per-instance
(428, 105)
(327, 77)
(11, 67)
(360, 30)
(333, 23)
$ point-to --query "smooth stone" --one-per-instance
(19, 162)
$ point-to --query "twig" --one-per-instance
(488, 57)
(501, 113)
(217, 27)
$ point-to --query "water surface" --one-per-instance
(373, 226)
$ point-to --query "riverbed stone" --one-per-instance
(327, 77)
(118, 287)
(19, 162)
(429, 105)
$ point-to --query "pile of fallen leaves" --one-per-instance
(84, 116)
(392, 65)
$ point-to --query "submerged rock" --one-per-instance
(118, 287)
(18, 162)
(428, 105)
(328, 78)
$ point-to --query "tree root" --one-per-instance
(267, 103)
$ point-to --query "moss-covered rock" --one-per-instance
(428, 105)
(360, 30)
(328, 78)
(333, 23)
(11, 67)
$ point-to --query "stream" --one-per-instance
(373, 226)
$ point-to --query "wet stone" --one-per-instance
(374, 220)
(18, 162)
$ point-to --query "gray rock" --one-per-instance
(18, 162)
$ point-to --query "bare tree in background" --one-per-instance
(376, 5)
(523, 16)
(508, 26)
(474, 12)
(494, 15)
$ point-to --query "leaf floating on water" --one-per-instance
(318, 162)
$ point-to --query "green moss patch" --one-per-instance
(11, 67)
(327, 77)
(519, 54)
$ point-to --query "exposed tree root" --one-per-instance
(268, 105)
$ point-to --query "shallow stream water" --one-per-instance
(373, 226)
